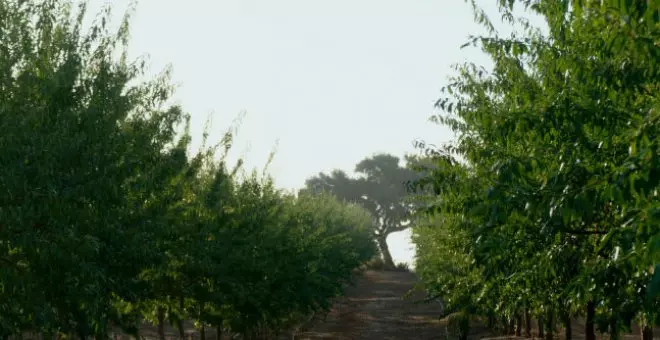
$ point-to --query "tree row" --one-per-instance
(546, 206)
(108, 220)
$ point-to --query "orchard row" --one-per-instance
(107, 221)
(547, 204)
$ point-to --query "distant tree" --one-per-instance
(380, 187)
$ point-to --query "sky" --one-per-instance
(323, 83)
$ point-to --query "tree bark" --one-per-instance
(137, 328)
(179, 322)
(614, 331)
(589, 332)
(182, 332)
(512, 326)
(550, 327)
(540, 325)
(491, 320)
(218, 333)
(647, 332)
(385, 251)
(568, 331)
(161, 322)
(528, 324)
(202, 328)
(519, 325)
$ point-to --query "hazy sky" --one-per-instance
(332, 81)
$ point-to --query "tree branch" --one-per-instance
(584, 232)
(394, 229)
(11, 264)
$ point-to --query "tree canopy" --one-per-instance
(547, 202)
(106, 217)
(381, 187)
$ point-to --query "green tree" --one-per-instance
(82, 139)
(380, 187)
(560, 132)
(105, 220)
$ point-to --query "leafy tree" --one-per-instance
(105, 220)
(81, 141)
(559, 134)
(380, 187)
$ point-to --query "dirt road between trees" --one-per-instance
(376, 309)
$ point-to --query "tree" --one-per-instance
(82, 138)
(106, 220)
(380, 187)
(560, 134)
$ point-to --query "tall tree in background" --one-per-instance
(380, 187)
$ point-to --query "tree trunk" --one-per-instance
(202, 329)
(137, 329)
(463, 326)
(540, 325)
(519, 325)
(218, 333)
(179, 322)
(512, 326)
(385, 251)
(182, 332)
(647, 332)
(528, 324)
(161, 322)
(550, 327)
(491, 320)
(614, 331)
(589, 332)
(568, 331)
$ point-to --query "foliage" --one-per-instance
(402, 267)
(458, 326)
(105, 218)
(547, 201)
(380, 187)
(377, 263)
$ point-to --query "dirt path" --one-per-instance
(376, 309)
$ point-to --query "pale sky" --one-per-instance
(332, 81)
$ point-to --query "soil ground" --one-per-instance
(376, 309)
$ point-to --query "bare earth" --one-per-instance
(376, 309)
